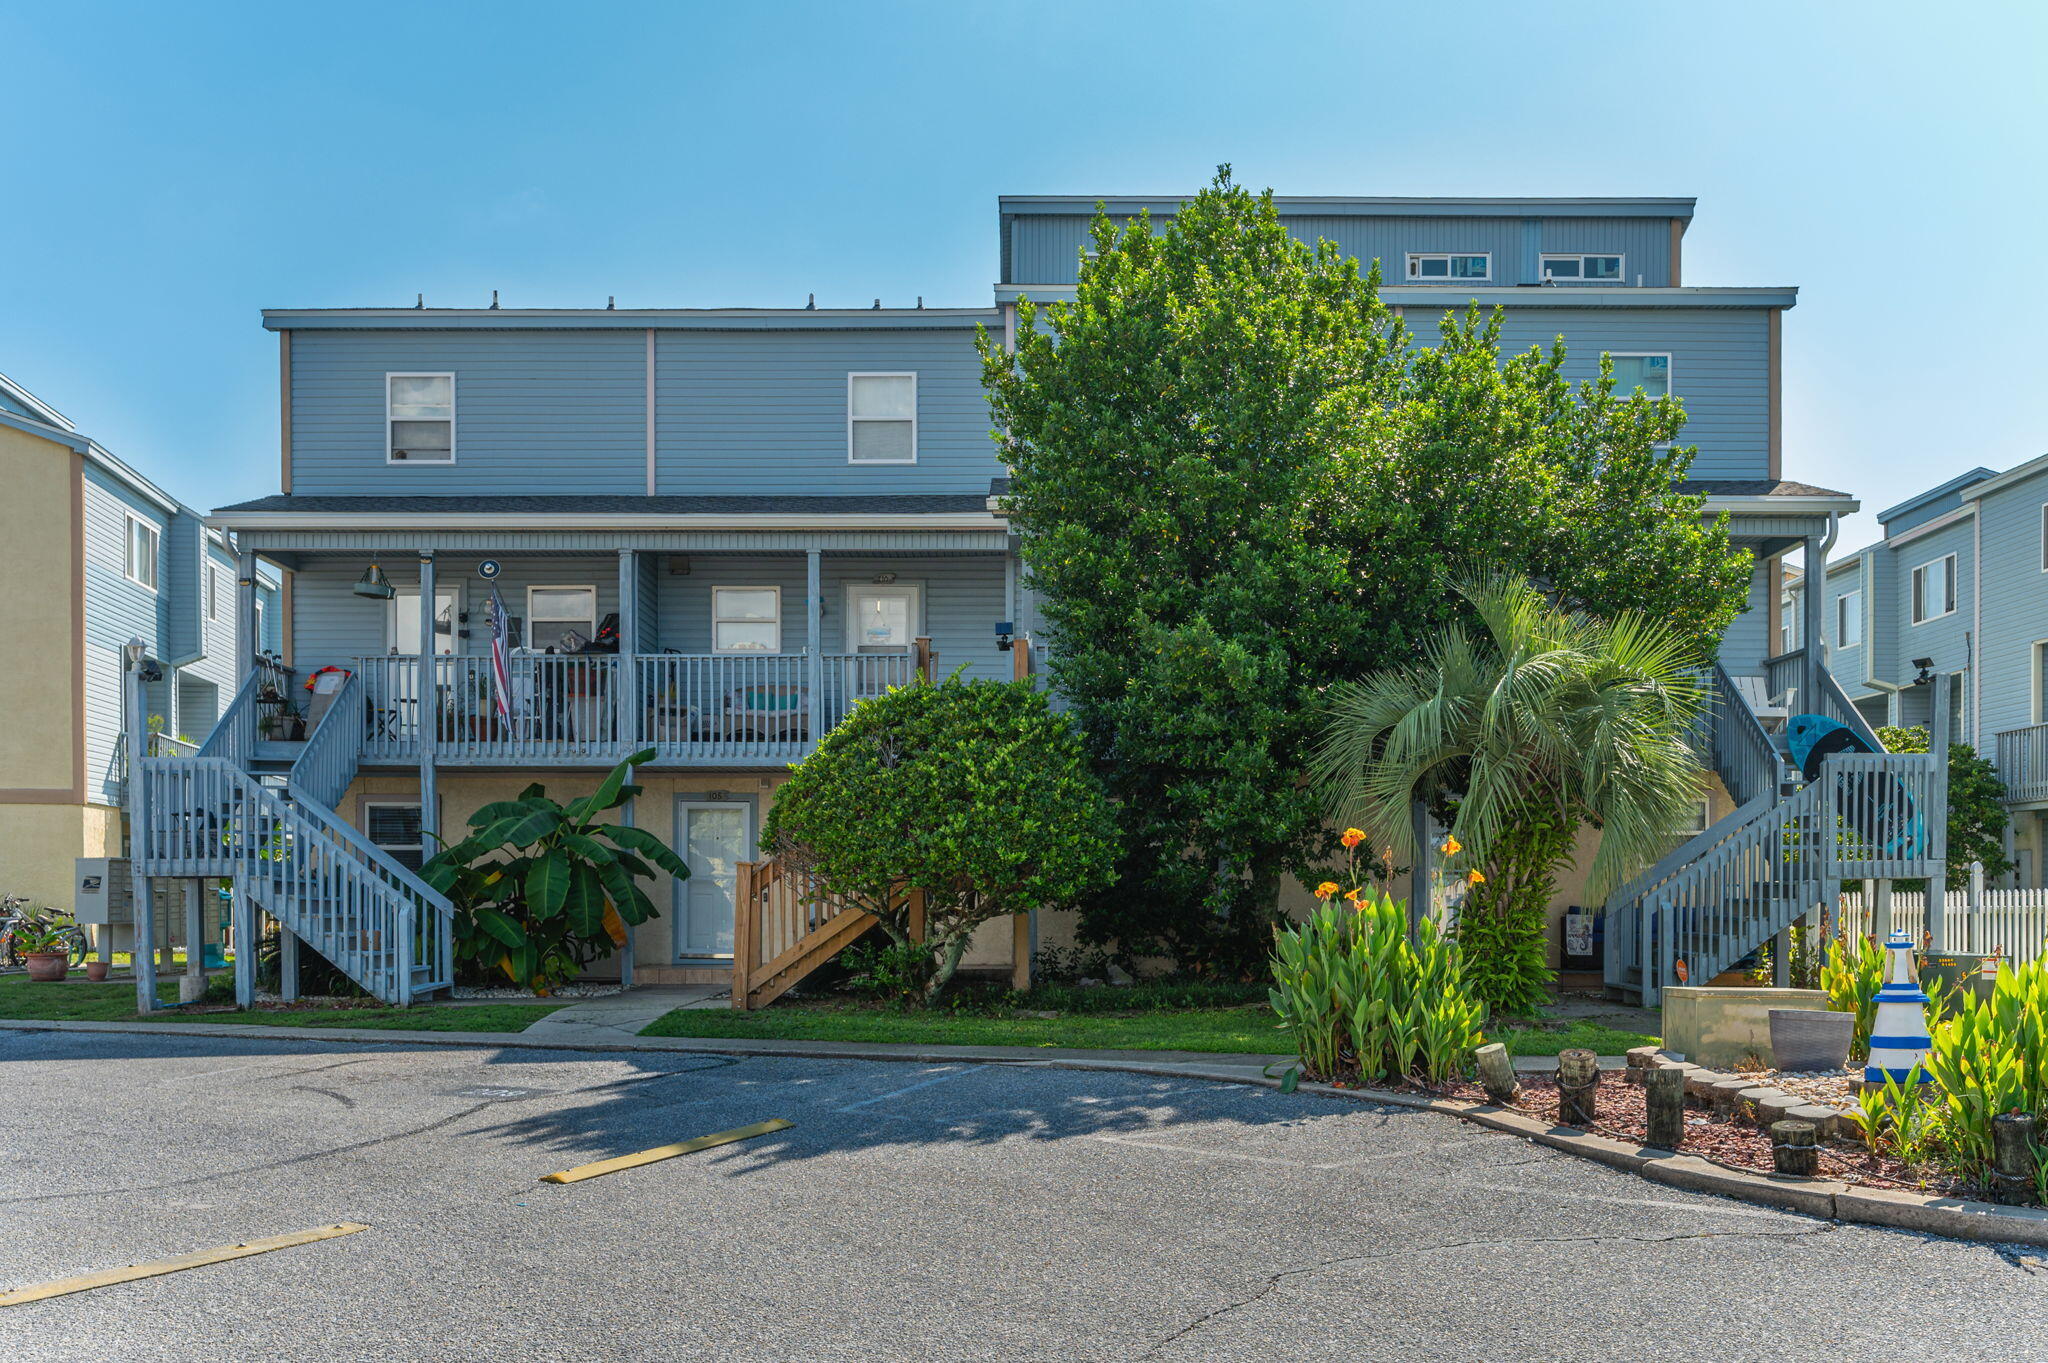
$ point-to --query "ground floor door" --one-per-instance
(714, 838)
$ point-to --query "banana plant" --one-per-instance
(541, 888)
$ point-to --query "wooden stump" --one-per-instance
(1795, 1148)
(1665, 1097)
(2012, 1158)
(1497, 1073)
(1578, 1078)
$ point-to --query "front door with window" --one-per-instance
(715, 838)
(882, 619)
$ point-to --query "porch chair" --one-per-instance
(1771, 711)
(778, 712)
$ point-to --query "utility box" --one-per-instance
(102, 893)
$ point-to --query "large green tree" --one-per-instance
(1238, 481)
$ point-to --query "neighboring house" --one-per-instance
(784, 510)
(1956, 595)
(96, 555)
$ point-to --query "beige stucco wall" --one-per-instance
(39, 738)
(39, 842)
(1725, 1027)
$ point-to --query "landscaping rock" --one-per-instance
(1778, 1107)
(1831, 1125)
(1722, 1093)
(1749, 1102)
(1700, 1083)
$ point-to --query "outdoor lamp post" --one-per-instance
(142, 951)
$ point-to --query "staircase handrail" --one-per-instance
(229, 737)
(1744, 756)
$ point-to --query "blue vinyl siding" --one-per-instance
(2015, 611)
(330, 624)
(1645, 244)
(765, 412)
(1747, 642)
(116, 610)
(535, 411)
(1848, 664)
(1944, 638)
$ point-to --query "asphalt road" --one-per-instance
(913, 1212)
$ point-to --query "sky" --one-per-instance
(173, 170)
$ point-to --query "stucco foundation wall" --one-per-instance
(39, 739)
(1722, 1028)
(38, 844)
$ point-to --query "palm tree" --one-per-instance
(1542, 722)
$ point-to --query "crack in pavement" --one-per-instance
(1273, 1281)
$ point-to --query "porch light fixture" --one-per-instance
(1004, 637)
(1926, 676)
(374, 584)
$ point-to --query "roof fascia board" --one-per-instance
(1975, 476)
(43, 410)
(2015, 474)
(622, 319)
(56, 435)
(1780, 506)
(283, 520)
(1067, 205)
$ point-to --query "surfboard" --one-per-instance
(1879, 808)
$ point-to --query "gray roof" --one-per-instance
(1754, 487)
(885, 504)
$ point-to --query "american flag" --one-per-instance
(500, 668)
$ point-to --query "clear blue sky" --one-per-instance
(174, 169)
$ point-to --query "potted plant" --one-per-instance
(44, 937)
(270, 724)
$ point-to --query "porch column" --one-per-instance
(632, 723)
(246, 644)
(194, 985)
(142, 951)
(814, 642)
(1816, 585)
(626, 951)
(429, 698)
(1936, 819)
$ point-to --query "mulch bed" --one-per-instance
(1619, 1111)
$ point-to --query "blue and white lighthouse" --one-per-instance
(1898, 1036)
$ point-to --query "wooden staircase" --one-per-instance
(785, 928)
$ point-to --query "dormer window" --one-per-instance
(1442, 267)
(1600, 269)
(419, 418)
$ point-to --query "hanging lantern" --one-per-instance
(374, 584)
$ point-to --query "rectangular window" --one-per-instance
(141, 554)
(552, 612)
(394, 828)
(1651, 373)
(881, 418)
(1934, 589)
(419, 418)
(1445, 266)
(746, 619)
(1849, 619)
(1606, 269)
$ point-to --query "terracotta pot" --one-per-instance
(48, 966)
(95, 970)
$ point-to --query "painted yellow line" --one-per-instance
(87, 1281)
(662, 1152)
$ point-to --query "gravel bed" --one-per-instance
(1830, 1088)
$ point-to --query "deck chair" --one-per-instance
(1771, 710)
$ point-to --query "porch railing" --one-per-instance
(2023, 762)
(574, 707)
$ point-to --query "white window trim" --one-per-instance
(1949, 588)
(447, 374)
(1845, 613)
(132, 520)
(1670, 366)
(1542, 272)
(526, 631)
(910, 374)
(388, 847)
(745, 652)
(1413, 270)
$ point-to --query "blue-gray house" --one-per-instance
(776, 511)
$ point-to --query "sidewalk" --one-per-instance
(616, 1016)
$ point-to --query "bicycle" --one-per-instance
(17, 909)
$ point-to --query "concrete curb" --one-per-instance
(1958, 1218)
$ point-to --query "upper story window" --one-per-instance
(1429, 266)
(1607, 269)
(139, 561)
(746, 619)
(1934, 589)
(419, 418)
(212, 592)
(1651, 373)
(551, 612)
(1849, 619)
(881, 418)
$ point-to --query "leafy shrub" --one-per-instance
(1806, 957)
(893, 972)
(1360, 999)
(542, 889)
(1851, 974)
(1991, 1056)
(972, 792)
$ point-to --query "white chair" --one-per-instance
(1771, 711)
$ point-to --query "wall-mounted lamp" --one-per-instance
(1926, 677)
(1004, 637)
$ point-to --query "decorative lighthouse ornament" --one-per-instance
(1898, 1037)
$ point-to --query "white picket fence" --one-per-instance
(2008, 923)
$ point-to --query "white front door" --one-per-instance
(882, 619)
(402, 620)
(715, 840)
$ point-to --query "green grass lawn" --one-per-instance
(114, 1001)
(1245, 1030)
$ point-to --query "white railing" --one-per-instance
(2023, 762)
(697, 706)
(2008, 923)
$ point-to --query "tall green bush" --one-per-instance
(973, 792)
(1991, 1056)
(1851, 975)
(1361, 1000)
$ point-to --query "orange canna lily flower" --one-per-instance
(1355, 896)
(1452, 846)
(1474, 878)
(1326, 889)
(1352, 837)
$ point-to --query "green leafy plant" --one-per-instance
(895, 972)
(1990, 1056)
(541, 889)
(1872, 1116)
(1851, 974)
(1311, 482)
(974, 795)
(1360, 999)
(1543, 722)
(41, 931)
(1806, 957)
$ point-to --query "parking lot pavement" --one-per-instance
(913, 1211)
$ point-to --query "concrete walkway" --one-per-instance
(622, 1015)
